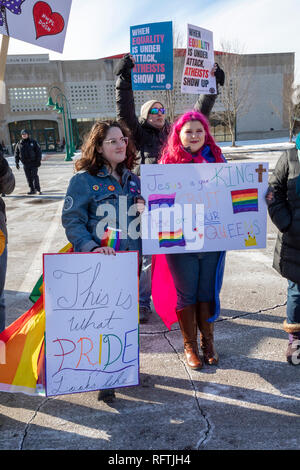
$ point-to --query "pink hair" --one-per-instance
(173, 151)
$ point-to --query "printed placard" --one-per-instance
(151, 45)
(199, 61)
(42, 23)
(91, 305)
(204, 207)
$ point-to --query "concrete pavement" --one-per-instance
(250, 401)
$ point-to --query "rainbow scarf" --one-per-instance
(244, 200)
(22, 354)
(169, 239)
(111, 238)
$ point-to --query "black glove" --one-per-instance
(17, 166)
(124, 67)
(220, 75)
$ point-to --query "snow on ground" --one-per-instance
(241, 145)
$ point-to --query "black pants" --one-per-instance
(32, 178)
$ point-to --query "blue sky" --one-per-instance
(100, 28)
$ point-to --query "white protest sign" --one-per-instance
(40, 23)
(199, 61)
(204, 207)
(91, 305)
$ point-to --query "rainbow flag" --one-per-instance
(111, 238)
(22, 354)
(161, 199)
(169, 239)
(244, 200)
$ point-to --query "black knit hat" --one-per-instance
(24, 131)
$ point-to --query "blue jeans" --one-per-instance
(194, 276)
(3, 264)
(293, 302)
(145, 282)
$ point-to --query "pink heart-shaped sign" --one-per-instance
(46, 22)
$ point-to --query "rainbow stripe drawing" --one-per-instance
(111, 238)
(160, 200)
(169, 239)
(244, 200)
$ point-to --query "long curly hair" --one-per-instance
(92, 161)
(174, 152)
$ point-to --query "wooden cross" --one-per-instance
(260, 170)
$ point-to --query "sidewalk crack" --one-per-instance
(208, 428)
(30, 421)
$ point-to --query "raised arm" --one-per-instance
(125, 99)
(205, 103)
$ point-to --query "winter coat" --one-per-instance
(148, 140)
(7, 185)
(85, 217)
(284, 211)
(29, 152)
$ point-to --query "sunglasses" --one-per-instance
(157, 110)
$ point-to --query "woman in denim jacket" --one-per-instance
(103, 203)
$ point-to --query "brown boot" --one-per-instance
(188, 326)
(206, 333)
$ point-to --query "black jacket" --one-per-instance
(148, 140)
(284, 211)
(7, 185)
(29, 152)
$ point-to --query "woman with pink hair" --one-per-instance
(197, 277)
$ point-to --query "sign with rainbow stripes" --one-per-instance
(91, 322)
(204, 207)
(245, 200)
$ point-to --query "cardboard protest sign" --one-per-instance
(204, 207)
(199, 62)
(151, 45)
(91, 305)
(37, 22)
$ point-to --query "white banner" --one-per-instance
(91, 305)
(199, 62)
(204, 207)
(40, 23)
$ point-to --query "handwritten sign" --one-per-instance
(40, 23)
(91, 321)
(199, 62)
(152, 48)
(204, 207)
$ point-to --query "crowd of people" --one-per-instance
(110, 167)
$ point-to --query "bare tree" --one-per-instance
(235, 94)
(290, 110)
(170, 95)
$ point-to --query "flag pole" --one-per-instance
(3, 56)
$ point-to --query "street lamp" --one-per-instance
(70, 148)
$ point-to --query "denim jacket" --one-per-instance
(95, 204)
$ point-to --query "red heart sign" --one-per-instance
(46, 22)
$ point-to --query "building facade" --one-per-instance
(87, 90)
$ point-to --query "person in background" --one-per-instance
(7, 185)
(197, 277)
(283, 199)
(150, 132)
(29, 153)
